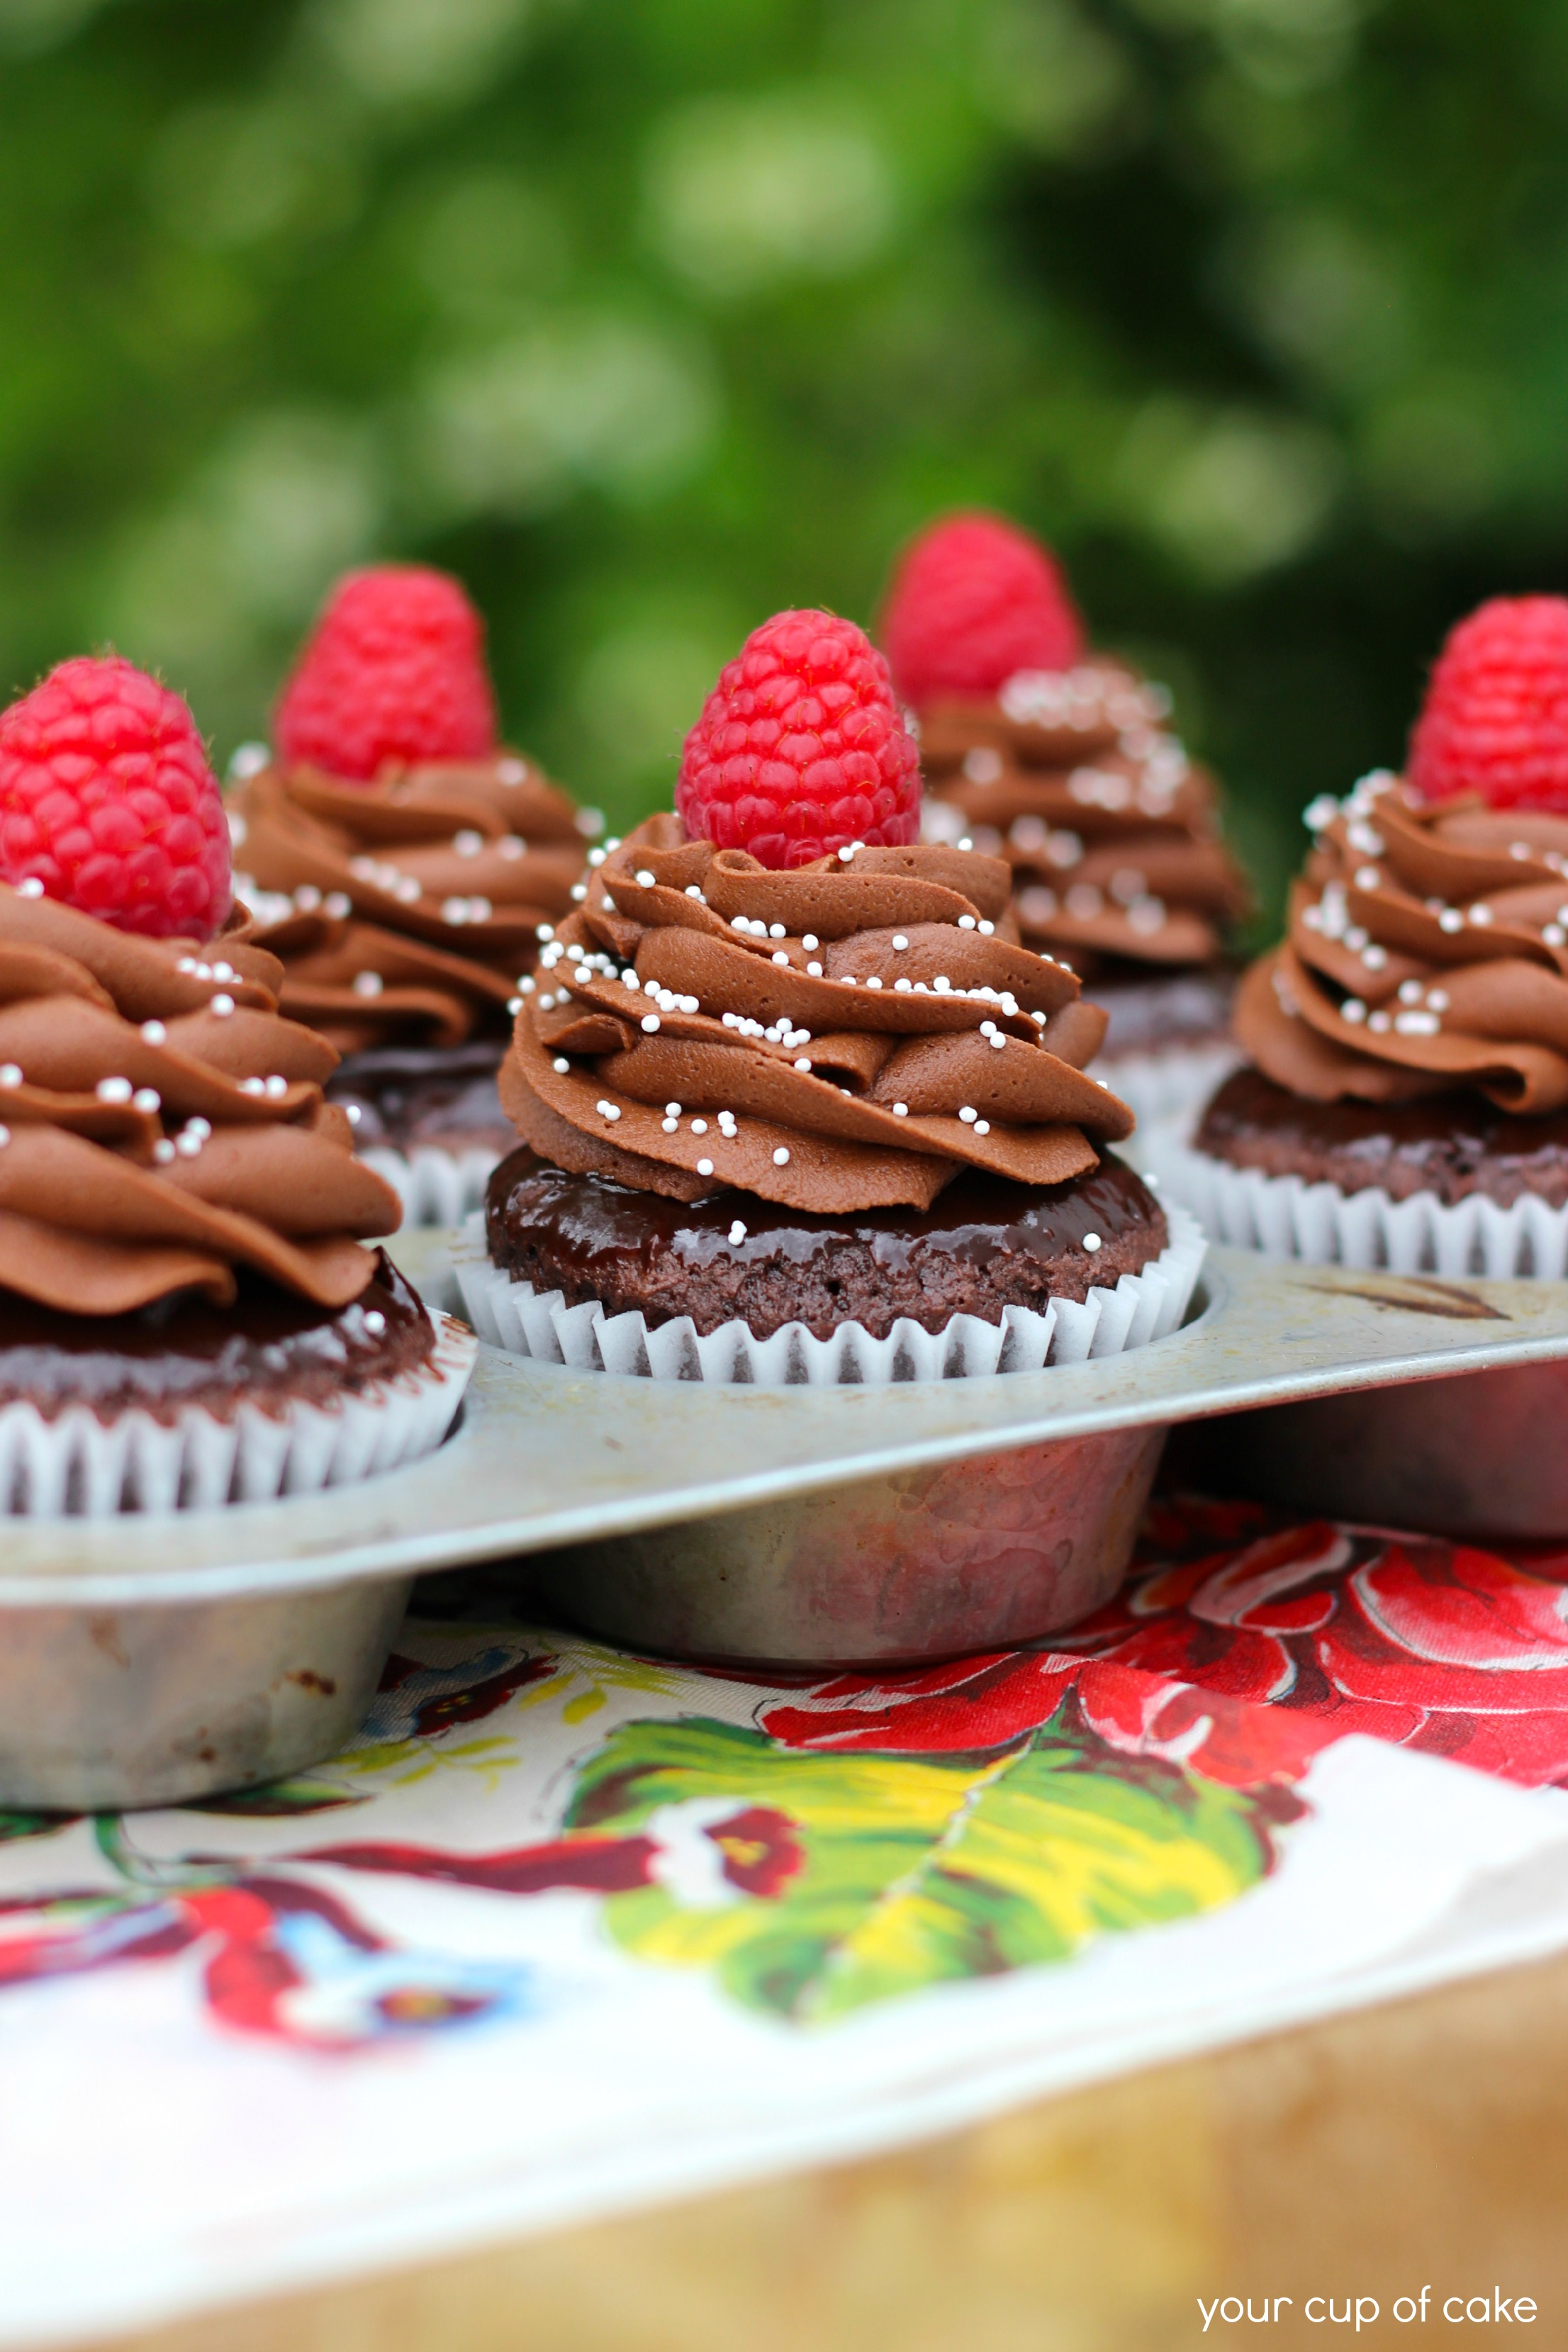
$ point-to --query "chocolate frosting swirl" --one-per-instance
(404, 910)
(1427, 950)
(164, 1126)
(1111, 832)
(843, 1037)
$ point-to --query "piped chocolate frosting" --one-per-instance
(163, 1127)
(1426, 951)
(1111, 832)
(404, 910)
(842, 1037)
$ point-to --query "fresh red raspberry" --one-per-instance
(800, 749)
(395, 671)
(107, 799)
(1495, 719)
(973, 601)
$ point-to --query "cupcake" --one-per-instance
(1061, 761)
(1406, 1098)
(793, 1106)
(189, 1313)
(400, 862)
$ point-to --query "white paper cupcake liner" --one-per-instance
(1171, 1087)
(1285, 1217)
(514, 1315)
(435, 1187)
(75, 1465)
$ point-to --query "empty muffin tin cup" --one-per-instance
(1473, 1455)
(921, 1564)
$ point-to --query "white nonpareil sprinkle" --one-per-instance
(163, 1152)
(705, 1168)
(561, 1065)
(1410, 991)
(694, 890)
(222, 1004)
(1091, 1241)
(650, 1023)
(30, 888)
(997, 1040)
(1450, 919)
(368, 983)
(147, 1098)
(699, 1126)
(1352, 1009)
(1437, 998)
(810, 940)
(966, 922)
(1374, 956)
(375, 1322)
(968, 1115)
(900, 1110)
(187, 1144)
(737, 1233)
(153, 1033)
(1378, 1021)
(1481, 913)
(873, 982)
(354, 1112)
(900, 942)
(777, 931)
(1368, 877)
(1554, 935)
(338, 905)
(803, 1063)
(669, 1125)
(544, 931)
(1418, 1024)
(672, 1111)
(814, 970)
(467, 843)
(514, 1004)
(113, 1091)
(200, 1127)
(781, 1156)
(579, 891)
(645, 878)
(987, 930)
(983, 1126)
(780, 956)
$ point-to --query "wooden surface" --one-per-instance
(1422, 2143)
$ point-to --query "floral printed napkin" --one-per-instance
(568, 1929)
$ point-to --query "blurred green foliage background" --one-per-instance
(651, 316)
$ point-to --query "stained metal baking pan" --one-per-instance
(147, 1659)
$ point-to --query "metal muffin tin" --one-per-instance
(149, 1660)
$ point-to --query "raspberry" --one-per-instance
(107, 799)
(395, 671)
(1495, 719)
(974, 599)
(800, 749)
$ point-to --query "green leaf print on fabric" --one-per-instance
(813, 1885)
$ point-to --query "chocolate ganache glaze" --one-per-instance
(164, 1127)
(984, 1245)
(843, 1037)
(404, 910)
(1111, 831)
(1427, 951)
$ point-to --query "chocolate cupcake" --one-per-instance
(401, 866)
(1407, 1100)
(188, 1311)
(821, 1122)
(1063, 762)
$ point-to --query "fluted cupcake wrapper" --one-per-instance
(1285, 1217)
(1170, 1088)
(435, 1187)
(1141, 1307)
(72, 1464)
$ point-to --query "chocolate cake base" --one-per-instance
(268, 1349)
(1452, 1145)
(439, 1095)
(983, 1244)
(1153, 1011)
